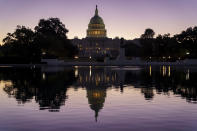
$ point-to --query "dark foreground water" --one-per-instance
(98, 98)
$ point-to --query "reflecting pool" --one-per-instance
(162, 98)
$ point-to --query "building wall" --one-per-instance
(97, 47)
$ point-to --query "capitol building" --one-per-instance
(97, 44)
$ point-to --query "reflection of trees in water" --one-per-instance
(49, 89)
(161, 82)
(148, 93)
(151, 80)
(49, 92)
(190, 93)
(23, 87)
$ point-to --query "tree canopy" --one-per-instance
(20, 44)
(148, 34)
(180, 46)
(51, 35)
(48, 39)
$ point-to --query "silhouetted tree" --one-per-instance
(147, 43)
(132, 50)
(188, 41)
(148, 34)
(51, 36)
(20, 44)
(166, 46)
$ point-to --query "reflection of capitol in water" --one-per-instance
(96, 81)
(49, 88)
(150, 80)
(96, 99)
(91, 77)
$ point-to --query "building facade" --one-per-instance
(97, 44)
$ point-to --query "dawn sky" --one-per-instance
(123, 18)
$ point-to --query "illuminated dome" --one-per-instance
(96, 27)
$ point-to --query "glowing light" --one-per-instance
(150, 69)
(164, 70)
(76, 72)
(76, 57)
(96, 95)
(43, 76)
(5, 83)
(169, 71)
(188, 75)
(90, 71)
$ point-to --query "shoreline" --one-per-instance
(101, 64)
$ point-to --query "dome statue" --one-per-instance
(96, 27)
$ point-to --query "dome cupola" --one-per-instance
(96, 27)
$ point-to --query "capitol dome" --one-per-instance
(96, 27)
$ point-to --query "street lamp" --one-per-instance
(76, 57)
(188, 53)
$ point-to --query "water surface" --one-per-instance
(98, 98)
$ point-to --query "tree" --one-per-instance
(166, 46)
(51, 35)
(148, 34)
(132, 50)
(188, 41)
(20, 44)
(147, 42)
